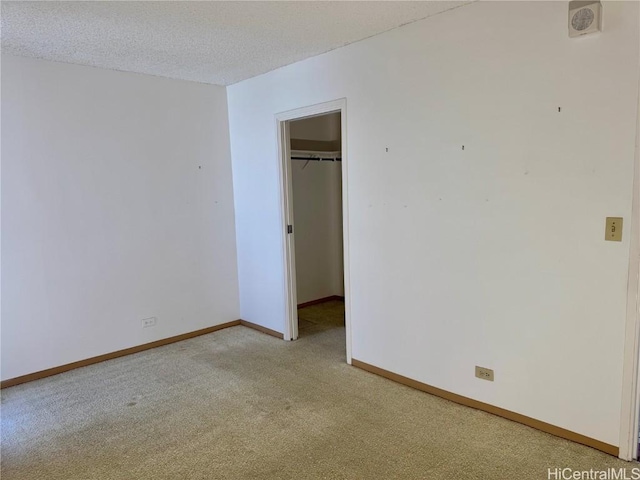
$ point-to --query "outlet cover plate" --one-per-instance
(484, 373)
(149, 322)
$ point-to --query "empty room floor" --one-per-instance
(239, 404)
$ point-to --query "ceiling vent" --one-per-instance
(584, 17)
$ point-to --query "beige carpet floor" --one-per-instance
(239, 404)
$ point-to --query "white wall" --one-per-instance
(491, 256)
(117, 205)
(317, 212)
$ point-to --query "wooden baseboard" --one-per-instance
(109, 356)
(262, 329)
(501, 412)
(320, 300)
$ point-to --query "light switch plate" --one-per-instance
(613, 229)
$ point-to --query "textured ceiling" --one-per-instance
(211, 42)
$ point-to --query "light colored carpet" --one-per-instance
(238, 404)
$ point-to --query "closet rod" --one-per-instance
(316, 159)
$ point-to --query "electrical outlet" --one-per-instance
(149, 322)
(484, 373)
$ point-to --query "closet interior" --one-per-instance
(316, 166)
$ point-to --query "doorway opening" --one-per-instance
(316, 176)
(312, 146)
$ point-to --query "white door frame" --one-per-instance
(286, 202)
(630, 408)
